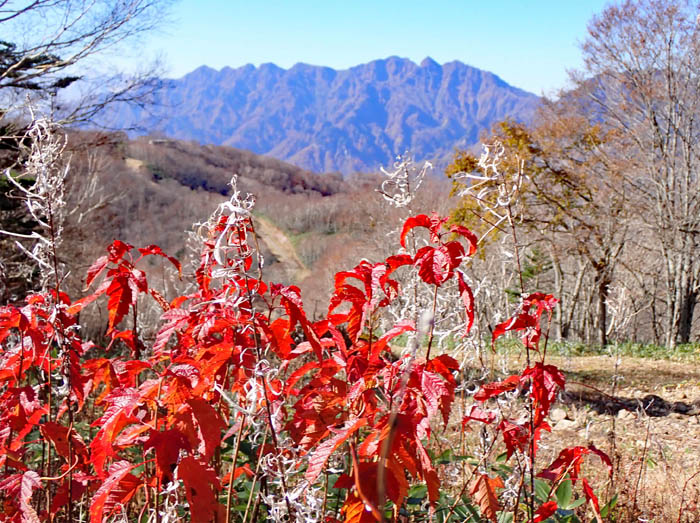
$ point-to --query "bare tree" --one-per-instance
(642, 59)
(52, 43)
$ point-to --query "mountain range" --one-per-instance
(324, 120)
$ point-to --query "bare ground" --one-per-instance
(649, 423)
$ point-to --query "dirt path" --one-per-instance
(278, 243)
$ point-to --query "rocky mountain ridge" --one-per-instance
(323, 119)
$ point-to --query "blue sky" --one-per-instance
(530, 44)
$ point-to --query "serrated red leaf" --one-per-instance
(603, 456)
(398, 260)
(291, 301)
(176, 319)
(515, 436)
(58, 435)
(354, 510)
(542, 302)
(95, 270)
(297, 375)
(320, 456)
(483, 492)
(117, 489)
(438, 394)
(79, 305)
(545, 383)
(22, 486)
(121, 298)
(569, 460)
(380, 345)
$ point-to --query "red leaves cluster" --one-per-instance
(163, 413)
(541, 383)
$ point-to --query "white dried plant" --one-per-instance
(495, 190)
(403, 181)
(46, 166)
(231, 246)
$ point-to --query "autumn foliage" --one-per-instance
(242, 406)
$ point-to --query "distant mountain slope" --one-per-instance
(210, 168)
(326, 120)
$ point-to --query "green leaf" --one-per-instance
(505, 517)
(604, 512)
(542, 490)
(564, 493)
(417, 494)
(577, 503)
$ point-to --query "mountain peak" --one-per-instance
(429, 63)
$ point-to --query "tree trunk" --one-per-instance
(603, 282)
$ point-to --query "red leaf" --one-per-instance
(469, 235)
(499, 387)
(546, 381)
(201, 488)
(590, 496)
(421, 220)
(22, 486)
(398, 260)
(155, 250)
(176, 319)
(515, 436)
(477, 414)
(444, 365)
(519, 322)
(291, 300)
(117, 250)
(545, 510)
(58, 435)
(167, 446)
(465, 293)
(74, 487)
(117, 489)
(603, 456)
(81, 303)
(210, 426)
(429, 475)
(30, 481)
(399, 328)
(95, 270)
(121, 298)
(320, 456)
(437, 393)
(569, 460)
(483, 492)
(541, 301)
(298, 374)
(434, 265)
(354, 510)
